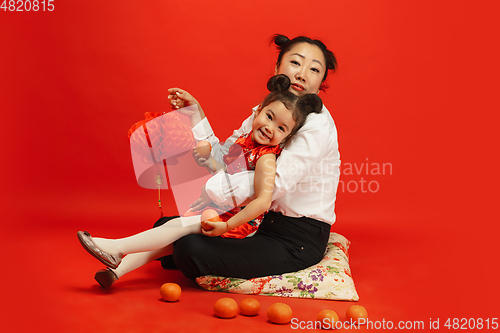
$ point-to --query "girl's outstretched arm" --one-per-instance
(265, 172)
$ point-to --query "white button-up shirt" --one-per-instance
(307, 171)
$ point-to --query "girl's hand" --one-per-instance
(202, 202)
(218, 229)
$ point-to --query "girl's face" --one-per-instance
(272, 124)
(305, 66)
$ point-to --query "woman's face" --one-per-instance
(305, 66)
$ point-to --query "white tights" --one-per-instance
(148, 245)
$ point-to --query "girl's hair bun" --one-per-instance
(280, 40)
(279, 82)
(311, 103)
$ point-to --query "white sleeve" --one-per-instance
(230, 190)
(203, 131)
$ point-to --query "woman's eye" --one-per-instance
(295, 62)
(315, 70)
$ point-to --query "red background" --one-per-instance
(413, 90)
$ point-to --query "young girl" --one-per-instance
(277, 119)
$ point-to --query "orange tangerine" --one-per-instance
(225, 307)
(355, 312)
(249, 307)
(170, 292)
(279, 313)
(327, 318)
(209, 215)
(203, 149)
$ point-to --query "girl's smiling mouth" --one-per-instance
(264, 134)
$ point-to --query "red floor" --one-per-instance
(49, 286)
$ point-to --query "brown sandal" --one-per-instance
(105, 277)
(89, 245)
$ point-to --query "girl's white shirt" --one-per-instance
(307, 171)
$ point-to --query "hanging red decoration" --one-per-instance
(155, 142)
(165, 133)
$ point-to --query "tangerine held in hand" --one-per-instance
(203, 148)
(170, 292)
(328, 318)
(249, 307)
(279, 313)
(226, 307)
(209, 215)
(355, 313)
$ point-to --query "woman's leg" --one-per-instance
(198, 255)
(282, 244)
(150, 240)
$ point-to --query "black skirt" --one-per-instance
(282, 244)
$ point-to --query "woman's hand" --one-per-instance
(179, 99)
(209, 163)
(202, 202)
(201, 161)
(218, 229)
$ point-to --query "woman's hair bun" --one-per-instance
(280, 40)
(311, 103)
(278, 82)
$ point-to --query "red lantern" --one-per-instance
(165, 136)
(155, 142)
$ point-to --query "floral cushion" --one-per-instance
(329, 279)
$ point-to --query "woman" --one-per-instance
(294, 233)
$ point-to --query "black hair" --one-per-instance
(284, 44)
(300, 107)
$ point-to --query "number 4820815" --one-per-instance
(27, 5)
